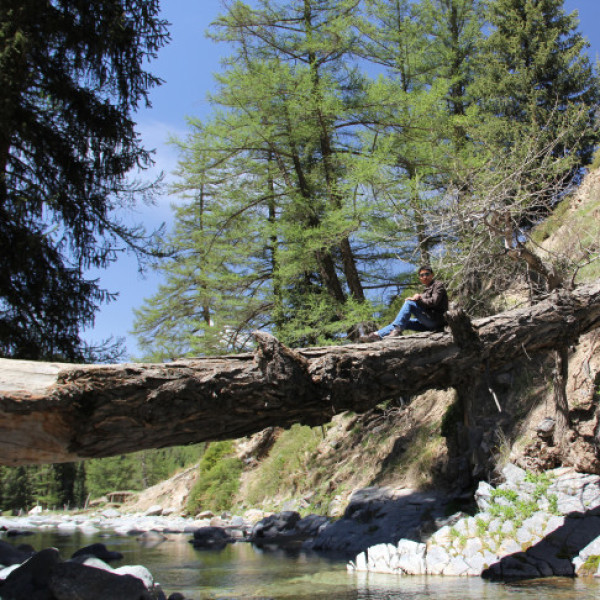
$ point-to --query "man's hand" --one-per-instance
(416, 297)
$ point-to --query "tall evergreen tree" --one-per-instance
(71, 73)
(537, 97)
(271, 183)
(536, 83)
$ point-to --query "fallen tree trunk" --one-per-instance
(56, 412)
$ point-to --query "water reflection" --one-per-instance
(241, 572)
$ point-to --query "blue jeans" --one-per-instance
(403, 320)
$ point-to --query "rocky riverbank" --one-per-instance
(530, 526)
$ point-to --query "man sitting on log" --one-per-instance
(421, 312)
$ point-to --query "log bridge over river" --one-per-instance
(52, 412)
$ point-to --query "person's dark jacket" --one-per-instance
(434, 299)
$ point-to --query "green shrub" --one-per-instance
(284, 470)
(218, 481)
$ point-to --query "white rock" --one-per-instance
(483, 495)
(154, 510)
(97, 563)
(473, 546)
(137, 571)
(410, 557)
(380, 558)
(509, 546)
(6, 571)
(513, 475)
(436, 560)
(442, 536)
(524, 536)
(553, 523)
(457, 566)
(205, 514)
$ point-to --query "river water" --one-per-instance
(241, 571)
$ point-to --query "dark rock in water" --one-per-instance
(210, 538)
(378, 516)
(27, 548)
(72, 581)
(311, 525)
(282, 523)
(11, 555)
(18, 532)
(99, 551)
(286, 529)
(30, 580)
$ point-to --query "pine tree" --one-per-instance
(71, 73)
(420, 111)
(537, 97)
(269, 235)
(16, 489)
(536, 82)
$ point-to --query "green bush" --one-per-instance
(284, 469)
(219, 479)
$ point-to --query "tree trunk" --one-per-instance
(57, 412)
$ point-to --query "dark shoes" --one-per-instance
(371, 337)
(396, 332)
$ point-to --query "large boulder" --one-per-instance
(31, 579)
(73, 581)
(11, 555)
(210, 538)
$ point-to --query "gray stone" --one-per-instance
(410, 557)
(6, 571)
(154, 510)
(508, 546)
(436, 560)
(479, 562)
(524, 536)
(237, 521)
(380, 558)
(205, 514)
(546, 427)
(456, 567)
(553, 523)
(91, 561)
(472, 547)
(513, 475)
(483, 495)
(536, 524)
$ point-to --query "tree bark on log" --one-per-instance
(57, 412)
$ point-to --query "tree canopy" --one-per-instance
(351, 140)
(71, 75)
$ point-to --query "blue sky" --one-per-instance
(187, 65)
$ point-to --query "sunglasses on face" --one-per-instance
(425, 274)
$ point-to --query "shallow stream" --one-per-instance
(241, 571)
